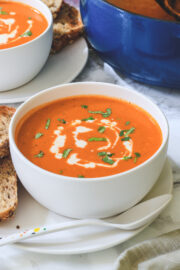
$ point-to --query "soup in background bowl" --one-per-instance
(19, 23)
(25, 41)
(149, 8)
(56, 118)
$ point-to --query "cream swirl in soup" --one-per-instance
(110, 142)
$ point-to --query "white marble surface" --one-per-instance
(169, 101)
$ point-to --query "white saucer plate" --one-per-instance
(60, 68)
(30, 214)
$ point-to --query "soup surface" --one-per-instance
(88, 136)
(19, 23)
(147, 8)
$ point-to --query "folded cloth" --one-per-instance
(162, 253)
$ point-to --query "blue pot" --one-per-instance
(145, 49)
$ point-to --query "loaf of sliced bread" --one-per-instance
(67, 27)
(8, 189)
(54, 6)
(6, 114)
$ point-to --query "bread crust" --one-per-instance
(67, 27)
(8, 213)
(6, 114)
(54, 6)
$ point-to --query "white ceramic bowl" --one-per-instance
(20, 64)
(98, 197)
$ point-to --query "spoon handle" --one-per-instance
(37, 232)
(150, 208)
(49, 229)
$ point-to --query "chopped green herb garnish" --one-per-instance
(122, 132)
(61, 171)
(126, 132)
(26, 34)
(104, 114)
(66, 152)
(107, 113)
(40, 155)
(96, 112)
(62, 121)
(101, 129)
(101, 154)
(48, 123)
(131, 130)
(137, 155)
(110, 154)
(106, 159)
(96, 139)
(87, 119)
(127, 123)
(127, 158)
(3, 12)
(38, 135)
(29, 18)
(105, 154)
(80, 176)
(84, 106)
(125, 139)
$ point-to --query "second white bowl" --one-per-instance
(20, 64)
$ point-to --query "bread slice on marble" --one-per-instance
(8, 189)
(54, 6)
(6, 114)
(67, 27)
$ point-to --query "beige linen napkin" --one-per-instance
(162, 253)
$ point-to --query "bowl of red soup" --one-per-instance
(88, 149)
(25, 41)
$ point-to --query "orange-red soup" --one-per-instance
(19, 23)
(88, 136)
(147, 8)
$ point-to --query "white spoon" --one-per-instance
(133, 218)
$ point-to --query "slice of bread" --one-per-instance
(67, 27)
(8, 189)
(5, 116)
(54, 6)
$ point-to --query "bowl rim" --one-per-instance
(42, 34)
(139, 15)
(84, 180)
